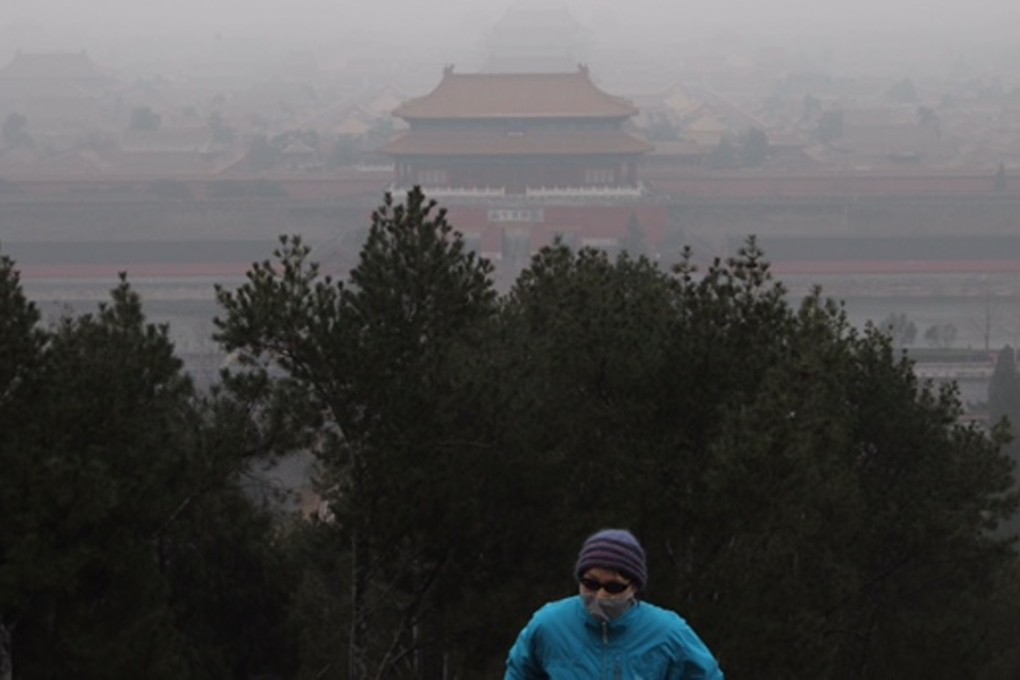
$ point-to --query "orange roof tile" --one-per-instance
(531, 143)
(516, 95)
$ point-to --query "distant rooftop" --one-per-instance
(530, 143)
(516, 95)
(535, 37)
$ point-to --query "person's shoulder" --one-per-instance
(662, 617)
(681, 636)
(659, 612)
(681, 639)
(556, 609)
(552, 619)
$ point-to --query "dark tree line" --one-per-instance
(127, 547)
(807, 503)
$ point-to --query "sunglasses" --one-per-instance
(611, 587)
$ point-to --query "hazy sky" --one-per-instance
(120, 15)
(918, 25)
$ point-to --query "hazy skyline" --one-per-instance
(261, 16)
(911, 30)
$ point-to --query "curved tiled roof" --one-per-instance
(530, 143)
(516, 95)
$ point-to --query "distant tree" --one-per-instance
(724, 155)
(222, 132)
(775, 104)
(265, 153)
(15, 131)
(377, 135)
(660, 128)
(927, 116)
(811, 108)
(754, 147)
(144, 119)
(634, 242)
(830, 125)
(1000, 179)
(345, 151)
(901, 331)
(262, 155)
(903, 92)
(940, 335)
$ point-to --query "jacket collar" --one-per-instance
(616, 624)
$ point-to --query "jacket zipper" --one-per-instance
(605, 651)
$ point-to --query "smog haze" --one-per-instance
(869, 35)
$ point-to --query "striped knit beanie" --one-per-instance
(615, 549)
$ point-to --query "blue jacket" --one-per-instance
(564, 642)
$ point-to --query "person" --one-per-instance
(607, 630)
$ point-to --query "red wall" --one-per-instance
(677, 184)
(826, 186)
(593, 221)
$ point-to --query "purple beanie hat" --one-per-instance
(615, 549)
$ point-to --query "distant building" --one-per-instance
(535, 36)
(517, 133)
(53, 71)
(521, 159)
(57, 91)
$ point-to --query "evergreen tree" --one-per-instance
(115, 488)
(797, 487)
(371, 370)
(1004, 411)
(1004, 388)
(88, 443)
(901, 331)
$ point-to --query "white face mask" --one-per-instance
(608, 608)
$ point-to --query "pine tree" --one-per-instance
(371, 368)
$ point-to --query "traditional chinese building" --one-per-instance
(516, 134)
(56, 92)
(535, 36)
